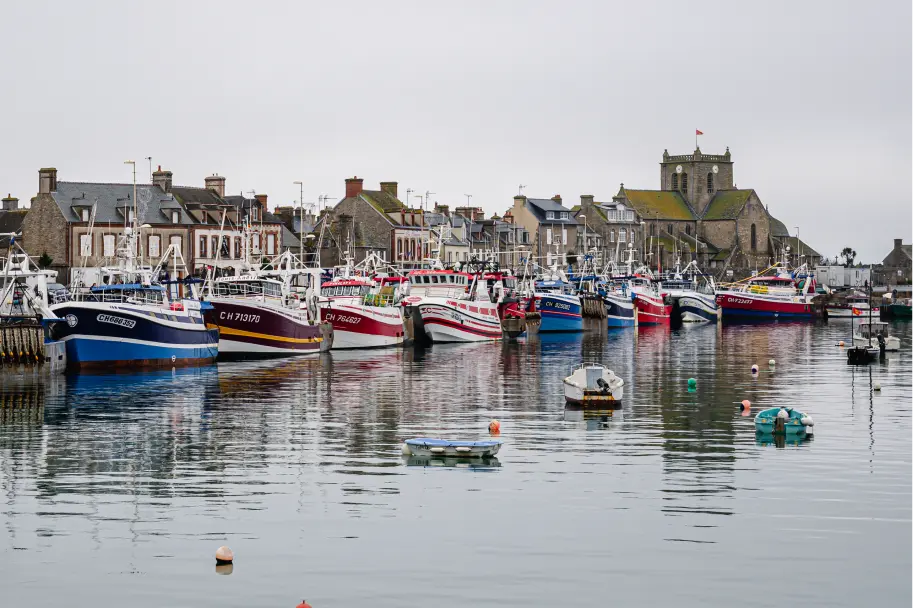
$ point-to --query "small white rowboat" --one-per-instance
(593, 384)
(426, 446)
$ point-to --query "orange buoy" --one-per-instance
(494, 427)
(224, 555)
(840, 343)
(746, 407)
(304, 604)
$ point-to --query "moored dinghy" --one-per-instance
(784, 421)
(427, 446)
(592, 384)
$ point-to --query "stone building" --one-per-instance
(699, 213)
(373, 221)
(613, 226)
(896, 267)
(11, 217)
(551, 226)
(57, 223)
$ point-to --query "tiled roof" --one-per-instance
(112, 197)
(907, 249)
(726, 204)
(541, 206)
(11, 222)
(383, 201)
(202, 196)
(659, 205)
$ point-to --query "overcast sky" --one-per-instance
(812, 98)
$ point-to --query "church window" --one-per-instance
(688, 229)
(754, 238)
(675, 181)
(684, 182)
(710, 183)
(671, 229)
(652, 229)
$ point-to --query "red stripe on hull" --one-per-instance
(754, 303)
(650, 312)
(352, 320)
(462, 327)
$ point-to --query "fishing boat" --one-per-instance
(28, 328)
(873, 334)
(692, 293)
(593, 384)
(619, 306)
(268, 312)
(362, 312)
(899, 309)
(653, 308)
(452, 306)
(778, 296)
(783, 421)
(855, 304)
(427, 447)
(131, 320)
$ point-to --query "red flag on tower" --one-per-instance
(698, 132)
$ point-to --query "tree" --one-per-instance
(45, 260)
(848, 255)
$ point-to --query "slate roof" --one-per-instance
(659, 205)
(778, 228)
(11, 222)
(727, 204)
(795, 245)
(202, 196)
(289, 240)
(113, 198)
(540, 206)
(383, 201)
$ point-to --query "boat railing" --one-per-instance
(141, 296)
(378, 299)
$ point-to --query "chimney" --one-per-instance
(478, 215)
(586, 200)
(216, 183)
(898, 243)
(442, 209)
(162, 179)
(47, 180)
(354, 186)
(389, 187)
(10, 203)
(261, 198)
(557, 198)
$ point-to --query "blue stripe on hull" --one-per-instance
(698, 312)
(82, 351)
(554, 323)
(620, 321)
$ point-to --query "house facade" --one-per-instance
(551, 226)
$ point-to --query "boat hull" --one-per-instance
(652, 310)
(256, 329)
(560, 313)
(846, 312)
(891, 343)
(766, 423)
(360, 326)
(619, 311)
(446, 320)
(579, 396)
(99, 334)
(427, 447)
(698, 308)
(747, 305)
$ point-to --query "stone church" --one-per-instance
(698, 213)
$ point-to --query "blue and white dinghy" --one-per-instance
(427, 446)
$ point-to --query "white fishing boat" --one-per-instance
(872, 333)
(452, 306)
(855, 305)
(593, 384)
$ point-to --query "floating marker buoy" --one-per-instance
(692, 383)
(224, 555)
(746, 405)
(406, 450)
(877, 386)
(754, 369)
(494, 427)
(772, 362)
(303, 604)
(840, 343)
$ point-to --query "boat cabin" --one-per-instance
(439, 283)
(345, 288)
(247, 287)
(126, 293)
(871, 330)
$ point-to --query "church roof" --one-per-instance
(659, 205)
(727, 204)
(778, 228)
(796, 245)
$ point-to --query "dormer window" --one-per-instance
(564, 215)
(175, 217)
(84, 214)
(549, 215)
(254, 212)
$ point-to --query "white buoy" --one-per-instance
(809, 425)
(782, 414)
(877, 386)
(754, 369)
(406, 450)
(772, 362)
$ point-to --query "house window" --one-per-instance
(684, 182)
(688, 229)
(671, 229)
(611, 236)
(155, 246)
(710, 183)
(563, 235)
(178, 243)
(85, 245)
(653, 229)
(549, 215)
(255, 243)
(84, 214)
(754, 238)
(237, 247)
(622, 235)
(548, 236)
(525, 237)
(254, 212)
(632, 235)
(215, 246)
(225, 249)
(399, 249)
(202, 246)
(108, 245)
(271, 244)
(175, 217)
(564, 215)
(629, 216)
(450, 257)
(674, 181)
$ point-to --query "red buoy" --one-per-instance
(304, 604)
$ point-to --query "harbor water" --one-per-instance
(118, 489)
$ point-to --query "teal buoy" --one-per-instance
(692, 385)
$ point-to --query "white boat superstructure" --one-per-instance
(872, 333)
(452, 306)
(593, 384)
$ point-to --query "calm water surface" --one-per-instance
(120, 488)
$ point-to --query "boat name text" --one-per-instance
(128, 323)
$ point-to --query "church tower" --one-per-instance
(696, 176)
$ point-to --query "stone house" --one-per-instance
(551, 226)
(610, 228)
(449, 235)
(367, 221)
(896, 267)
(11, 217)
